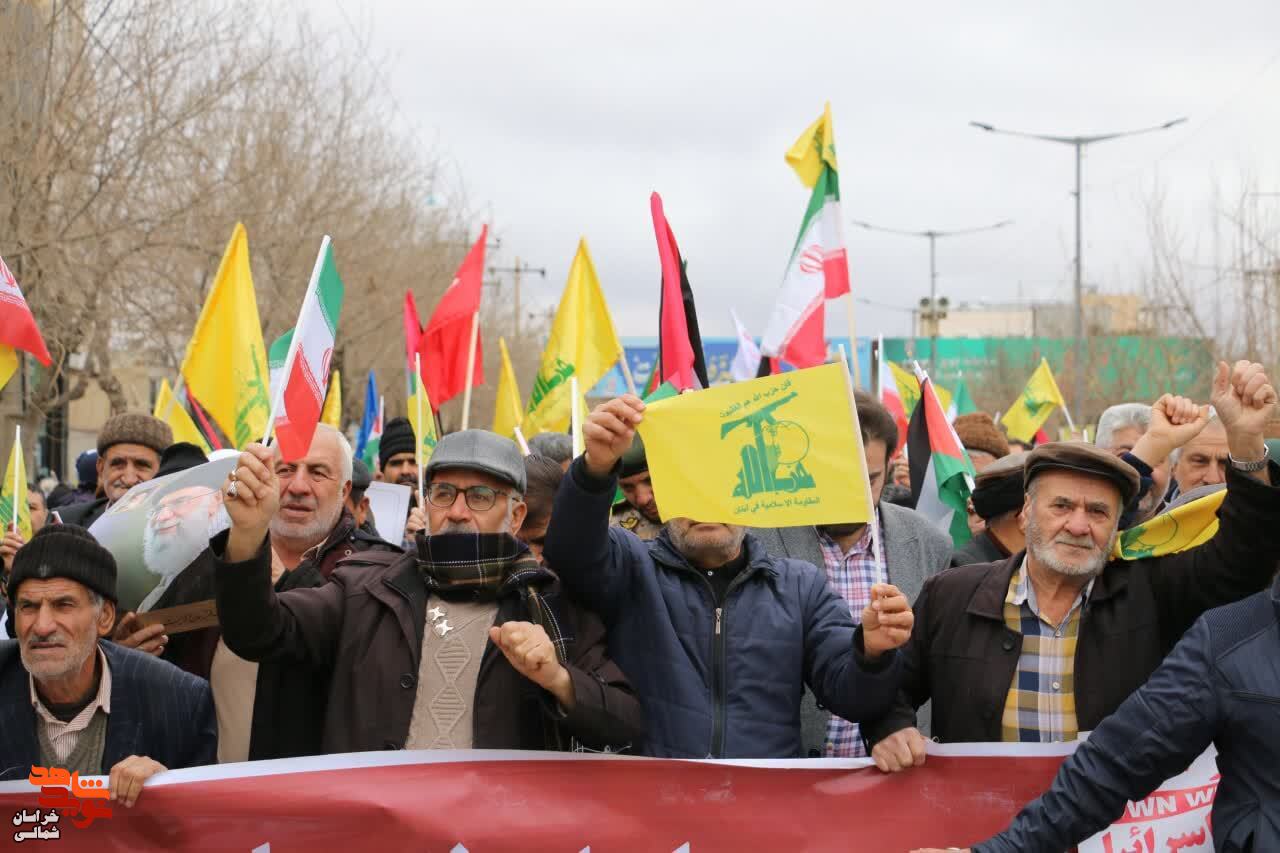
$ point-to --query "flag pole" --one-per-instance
(18, 464)
(173, 396)
(1067, 414)
(471, 369)
(575, 417)
(524, 445)
(277, 395)
(853, 336)
(417, 436)
(866, 482)
(626, 373)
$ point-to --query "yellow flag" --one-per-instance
(226, 363)
(169, 410)
(909, 390)
(8, 364)
(778, 451)
(816, 146)
(426, 435)
(1194, 523)
(508, 412)
(583, 343)
(14, 493)
(331, 414)
(1038, 400)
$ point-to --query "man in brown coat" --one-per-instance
(467, 643)
(1049, 642)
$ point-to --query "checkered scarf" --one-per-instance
(483, 566)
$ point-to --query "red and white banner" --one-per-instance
(482, 801)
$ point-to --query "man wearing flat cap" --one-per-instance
(129, 450)
(70, 700)
(1047, 643)
(465, 643)
(998, 495)
(638, 512)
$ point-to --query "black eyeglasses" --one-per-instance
(479, 498)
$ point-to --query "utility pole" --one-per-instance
(516, 271)
(933, 310)
(1079, 143)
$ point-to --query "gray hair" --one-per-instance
(553, 445)
(1121, 416)
(345, 452)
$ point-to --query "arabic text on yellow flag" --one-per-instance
(226, 363)
(1032, 409)
(172, 412)
(426, 436)
(331, 414)
(583, 343)
(15, 473)
(778, 451)
(816, 146)
(1194, 523)
(508, 411)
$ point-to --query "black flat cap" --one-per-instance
(1082, 458)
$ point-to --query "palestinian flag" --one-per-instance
(680, 359)
(941, 473)
(300, 359)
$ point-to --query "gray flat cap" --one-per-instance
(479, 450)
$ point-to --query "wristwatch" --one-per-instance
(1253, 465)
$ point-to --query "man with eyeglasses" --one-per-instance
(465, 643)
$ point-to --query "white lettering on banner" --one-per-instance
(1173, 818)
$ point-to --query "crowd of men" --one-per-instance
(544, 602)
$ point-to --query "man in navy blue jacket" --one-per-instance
(718, 637)
(70, 700)
(1219, 685)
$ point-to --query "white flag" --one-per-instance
(746, 361)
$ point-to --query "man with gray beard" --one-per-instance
(178, 531)
(1047, 643)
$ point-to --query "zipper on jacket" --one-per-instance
(718, 665)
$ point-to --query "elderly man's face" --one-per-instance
(58, 627)
(180, 528)
(1070, 521)
(312, 491)
(1204, 459)
(124, 466)
(499, 511)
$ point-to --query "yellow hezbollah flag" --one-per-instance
(909, 390)
(508, 413)
(816, 146)
(583, 343)
(426, 435)
(226, 363)
(331, 414)
(13, 494)
(8, 364)
(1038, 400)
(777, 451)
(1194, 523)
(172, 412)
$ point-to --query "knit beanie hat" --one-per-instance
(978, 431)
(135, 428)
(65, 551)
(634, 460)
(397, 437)
(87, 470)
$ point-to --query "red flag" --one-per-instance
(17, 325)
(679, 341)
(412, 329)
(443, 346)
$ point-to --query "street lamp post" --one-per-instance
(935, 311)
(1079, 143)
(516, 271)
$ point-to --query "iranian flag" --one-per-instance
(941, 473)
(18, 329)
(300, 359)
(819, 266)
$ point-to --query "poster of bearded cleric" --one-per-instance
(159, 528)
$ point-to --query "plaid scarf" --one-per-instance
(483, 566)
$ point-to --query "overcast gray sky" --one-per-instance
(561, 117)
